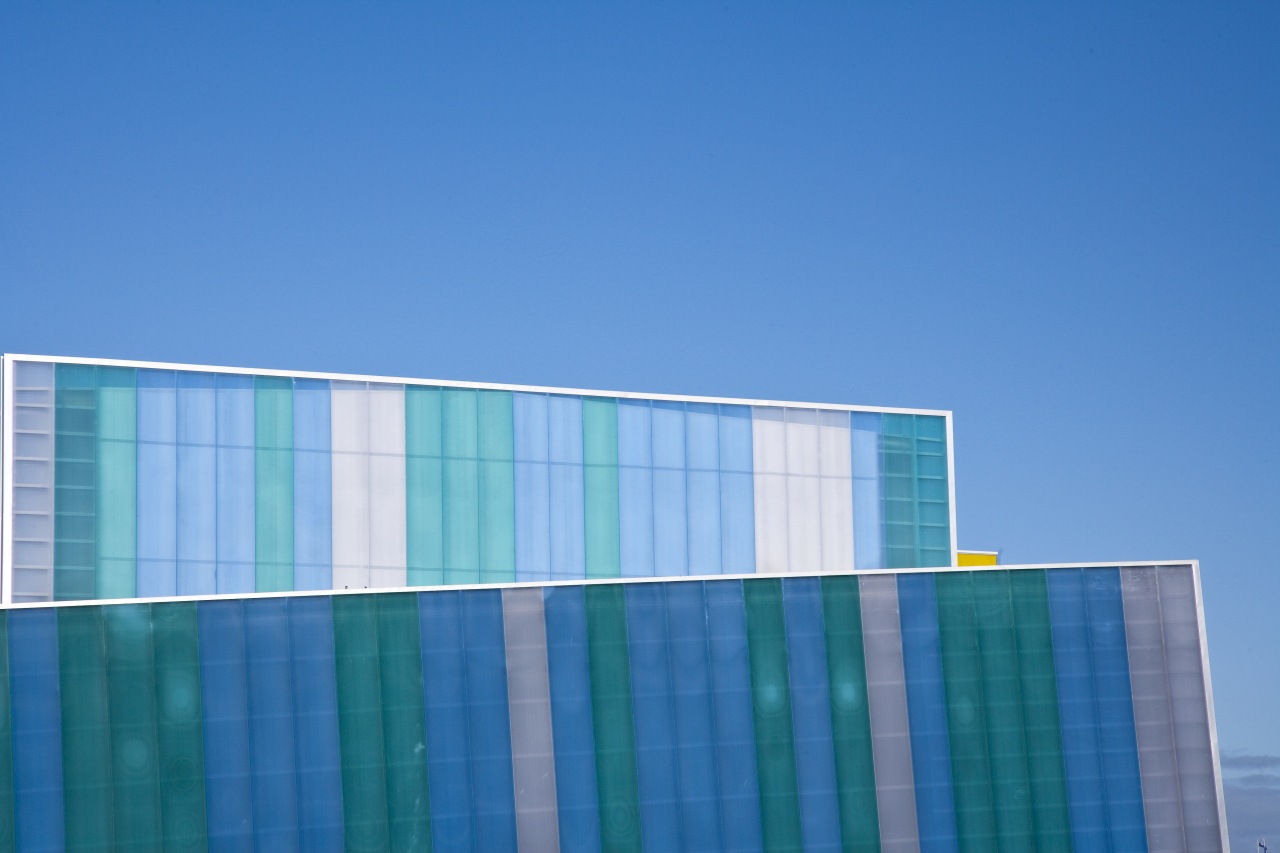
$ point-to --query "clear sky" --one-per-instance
(1062, 221)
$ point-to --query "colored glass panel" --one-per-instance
(75, 481)
(117, 499)
(600, 487)
(403, 722)
(312, 485)
(612, 718)
(424, 486)
(179, 725)
(273, 479)
(86, 729)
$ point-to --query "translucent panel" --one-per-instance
(86, 727)
(403, 727)
(532, 487)
(7, 834)
(565, 489)
(568, 676)
(271, 746)
(893, 742)
(315, 701)
(197, 482)
(273, 479)
(116, 493)
(835, 467)
(75, 473)
(386, 486)
(179, 727)
(600, 486)
(612, 719)
(225, 695)
(32, 487)
(493, 803)
(157, 483)
(37, 721)
(703, 488)
(899, 485)
(694, 707)
(424, 487)
(635, 489)
(804, 507)
(653, 706)
(461, 486)
(448, 742)
(771, 703)
(737, 493)
(351, 489)
(497, 487)
(236, 524)
(529, 695)
(136, 795)
(811, 714)
(769, 462)
(313, 486)
(670, 511)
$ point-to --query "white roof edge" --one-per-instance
(592, 582)
(446, 383)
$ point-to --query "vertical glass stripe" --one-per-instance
(461, 486)
(1082, 759)
(179, 728)
(804, 506)
(131, 680)
(1115, 709)
(117, 497)
(32, 486)
(312, 486)
(966, 715)
(850, 720)
(654, 715)
(273, 479)
(157, 483)
(364, 776)
(532, 487)
(898, 491)
(1039, 694)
(387, 533)
(37, 730)
(930, 741)
(635, 488)
(771, 701)
(529, 695)
(236, 545)
(737, 493)
(868, 523)
(612, 718)
(424, 487)
(489, 721)
(702, 456)
(836, 491)
(496, 447)
(86, 730)
(694, 716)
(769, 484)
(670, 490)
(224, 692)
(811, 714)
(736, 767)
(75, 482)
(271, 746)
(568, 513)
(315, 700)
(448, 739)
(349, 464)
(197, 499)
(403, 722)
(933, 509)
(569, 677)
(7, 837)
(600, 486)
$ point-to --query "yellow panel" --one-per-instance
(977, 558)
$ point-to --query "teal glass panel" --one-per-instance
(179, 726)
(86, 740)
(75, 481)
(461, 478)
(364, 773)
(497, 492)
(273, 477)
(619, 794)
(600, 486)
(403, 722)
(116, 494)
(134, 750)
(898, 473)
(933, 510)
(424, 486)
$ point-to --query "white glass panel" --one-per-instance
(386, 486)
(349, 422)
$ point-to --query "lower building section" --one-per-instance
(1052, 709)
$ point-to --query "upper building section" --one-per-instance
(127, 479)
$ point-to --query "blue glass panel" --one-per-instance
(225, 697)
(927, 704)
(737, 492)
(703, 488)
(448, 744)
(157, 483)
(568, 670)
(532, 484)
(635, 488)
(670, 521)
(653, 712)
(37, 729)
(811, 714)
(237, 553)
(197, 484)
(735, 726)
(313, 485)
(275, 798)
(868, 523)
(493, 795)
(1078, 711)
(568, 513)
(315, 699)
(1117, 739)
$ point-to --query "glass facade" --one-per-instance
(987, 710)
(149, 481)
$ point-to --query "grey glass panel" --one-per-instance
(32, 496)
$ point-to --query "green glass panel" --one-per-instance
(461, 478)
(966, 722)
(75, 481)
(273, 482)
(117, 485)
(611, 718)
(771, 706)
(86, 729)
(424, 486)
(600, 486)
(497, 487)
(1039, 689)
(179, 726)
(134, 750)
(850, 716)
(364, 779)
(7, 838)
(1002, 704)
(403, 722)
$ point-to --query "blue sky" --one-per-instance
(1062, 221)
